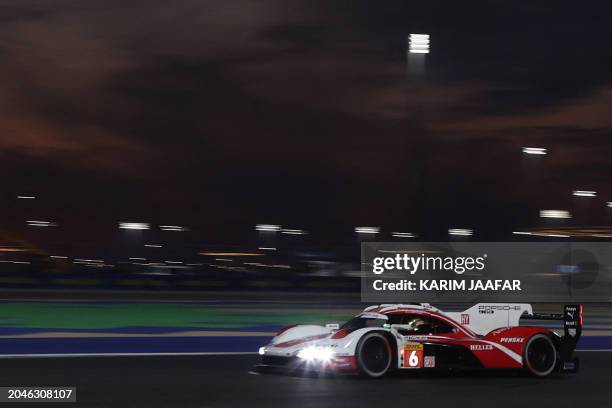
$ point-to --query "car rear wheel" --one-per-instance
(373, 355)
(540, 355)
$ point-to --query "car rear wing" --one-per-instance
(484, 317)
(572, 329)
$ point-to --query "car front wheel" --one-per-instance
(373, 355)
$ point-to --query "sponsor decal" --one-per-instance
(490, 309)
(465, 318)
(481, 347)
(571, 313)
(410, 347)
(417, 338)
(412, 356)
(572, 332)
(429, 361)
(512, 339)
(344, 362)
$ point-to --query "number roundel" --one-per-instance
(413, 356)
(413, 360)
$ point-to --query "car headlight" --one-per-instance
(311, 353)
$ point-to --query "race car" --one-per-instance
(418, 336)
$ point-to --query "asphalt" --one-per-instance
(226, 381)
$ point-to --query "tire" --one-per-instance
(373, 355)
(540, 356)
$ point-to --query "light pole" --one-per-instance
(418, 49)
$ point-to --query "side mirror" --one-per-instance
(332, 326)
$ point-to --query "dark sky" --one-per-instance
(218, 115)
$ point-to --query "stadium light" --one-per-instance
(538, 234)
(215, 253)
(403, 235)
(609, 204)
(26, 197)
(172, 228)
(41, 223)
(460, 232)
(367, 230)
(293, 232)
(134, 225)
(584, 193)
(555, 214)
(534, 150)
(267, 227)
(418, 43)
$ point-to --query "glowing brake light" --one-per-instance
(340, 334)
(580, 315)
(284, 329)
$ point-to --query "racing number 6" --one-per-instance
(413, 356)
(413, 360)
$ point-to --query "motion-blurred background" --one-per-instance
(213, 149)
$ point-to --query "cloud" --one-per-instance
(211, 101)
(589, 112)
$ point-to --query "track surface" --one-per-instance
(225, 381)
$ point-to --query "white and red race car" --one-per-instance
(390, 337)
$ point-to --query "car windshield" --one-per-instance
(360, 322)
